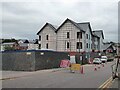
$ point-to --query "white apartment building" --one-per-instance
(99, 33)
(96, 43)
(70, 37)
(47, 37)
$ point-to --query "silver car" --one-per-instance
(97, 61)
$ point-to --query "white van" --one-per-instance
(104, 59)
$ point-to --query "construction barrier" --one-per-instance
(75, 67)
(64, 63)
(95, 68)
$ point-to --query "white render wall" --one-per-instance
(58, 41)
(89, 40)
(51, 39)
(101, 43)
(62, 37)
(96, 44)
(101, 40)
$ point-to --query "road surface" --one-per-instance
(62, 79)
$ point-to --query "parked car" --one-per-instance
(97, 61)
(104, 59)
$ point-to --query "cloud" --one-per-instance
(23, 19)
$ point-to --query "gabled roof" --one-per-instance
(94, 35)
(85, 25)
(107, 45)
(33, 41)
(74, 23)
(23, 41)
(47, 24)
(99, 33)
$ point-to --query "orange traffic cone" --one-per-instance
(95, 69)
(103, 65)
(98, 66)
(81, 70)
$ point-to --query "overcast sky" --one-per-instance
(22, 20)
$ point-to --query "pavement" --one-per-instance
(16, 74)
(58, 78)
(115, 84)
(4, 75)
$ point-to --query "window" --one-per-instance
(87, 45)
(39, 46)
(67, 45)
(79, 45)
(47, 46)
(87, 36)
(68, 35)
(46, 37)
(79, 35)
(40, 37)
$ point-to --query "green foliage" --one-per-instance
(9, 48)
(110, 59)
(8, 40)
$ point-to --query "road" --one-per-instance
(62, 79)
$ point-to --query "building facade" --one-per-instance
(28, 44)
(95, 43)
(47, 37)
(99, 33)
(70, 37)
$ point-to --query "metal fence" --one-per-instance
(32, 60)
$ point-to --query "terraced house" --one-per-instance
(70, 36)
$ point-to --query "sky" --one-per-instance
(23, 19)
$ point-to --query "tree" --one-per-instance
(9, 40)
(8, 48)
